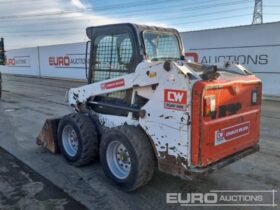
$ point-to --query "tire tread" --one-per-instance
(88, 137)
(143, 151)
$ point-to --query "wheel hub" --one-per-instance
(118, 159)
(70, 140)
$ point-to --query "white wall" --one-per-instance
(58, 61)
(64, 61)
(257, 47)
(22, 61)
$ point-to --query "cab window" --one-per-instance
(161, 46)
(112, 57)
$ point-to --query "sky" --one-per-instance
(29, 23)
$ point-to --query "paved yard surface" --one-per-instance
(22, 188)
(27, 102)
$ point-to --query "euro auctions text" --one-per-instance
(224, 198)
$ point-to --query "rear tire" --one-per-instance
(127, 157)
(77, 139)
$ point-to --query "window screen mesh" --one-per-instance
(113, 53)
(161, 45)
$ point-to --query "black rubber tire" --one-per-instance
(87, 139)
(141, 155)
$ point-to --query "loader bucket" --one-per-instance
(48, 135)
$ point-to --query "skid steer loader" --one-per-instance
(145, 107)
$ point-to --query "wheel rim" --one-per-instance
(70, 141)
(118, 159)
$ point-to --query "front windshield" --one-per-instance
(161, 46)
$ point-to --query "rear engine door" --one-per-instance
(226, 118)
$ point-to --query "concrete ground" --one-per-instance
(27, 102)
(22, 188)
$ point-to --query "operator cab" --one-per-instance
(117, 49)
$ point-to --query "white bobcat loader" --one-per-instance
(145, 107)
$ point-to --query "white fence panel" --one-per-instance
(262, 61)
(22, 61)
(63, 61)
(257, 47)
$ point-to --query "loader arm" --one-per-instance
(146, 74)
(80, 95)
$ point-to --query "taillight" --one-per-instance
(254, 99)
(209, 105)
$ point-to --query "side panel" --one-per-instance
(167, 120)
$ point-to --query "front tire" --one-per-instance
(127, 157)
(77, 139)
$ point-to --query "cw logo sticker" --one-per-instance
(175, 96)
(175, 99)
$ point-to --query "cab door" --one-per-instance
(113, 54)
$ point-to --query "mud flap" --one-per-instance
(48, 135)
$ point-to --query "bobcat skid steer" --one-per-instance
(145, 107)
